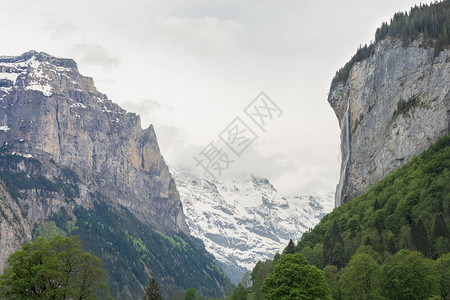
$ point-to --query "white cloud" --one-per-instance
(201, 36)
(203, 61)
(92, 54)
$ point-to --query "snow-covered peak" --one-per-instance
(36, 71)
(245, 219)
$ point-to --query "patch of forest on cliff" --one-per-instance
(429, 22)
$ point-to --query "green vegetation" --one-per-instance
(17, 181)
(54, 269)
(428, 22)
(294, 278)
(408, 209)
(152, 292)
(391, 242)
(129, 247)
(403, 107)
(240, 293)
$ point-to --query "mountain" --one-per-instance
(75, 163)
(392, 98)
(388, 236)
(245, 220)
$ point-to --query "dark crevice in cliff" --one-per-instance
(59, 131)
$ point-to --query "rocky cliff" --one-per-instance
(393, 106)
(51, 112)
(70, 155)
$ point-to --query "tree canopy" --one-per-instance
(294, 278)
(54, 269)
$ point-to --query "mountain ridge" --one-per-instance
(75, 163)
(245, 219)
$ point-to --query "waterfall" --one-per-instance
(345, 153)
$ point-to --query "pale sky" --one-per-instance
(190, 67)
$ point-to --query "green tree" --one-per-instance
(333, 251)
(439, 228)
(408, 275)
(290, 249)
(419, 237)
(443, 270)
(358, 278)
(314, 255)
(240, 293)
(191, 294)
(54, 269)
(294, 278)
(152, 292)
(331, 274)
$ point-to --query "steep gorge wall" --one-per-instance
(398, 104)
(51, 112)
(74, 163)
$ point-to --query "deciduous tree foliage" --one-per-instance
(191, 294)
(409, 209)
(407, 275)
(358, 280)
(54, 269)
(240, 293)
(443, 271)
(294, 278)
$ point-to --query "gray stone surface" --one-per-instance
(381, 140)
(52, 113)
(14, 230)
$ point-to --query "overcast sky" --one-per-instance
(190, 67)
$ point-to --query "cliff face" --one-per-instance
(393, 106)
(52, 113)
(74, 163)
(14, 230)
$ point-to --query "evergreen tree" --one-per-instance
(427, 22)
(330, 249)
(392, 248)
(376, 205)
(290, 249)
(439, 228)
(378, 226)
(419, 237)
(152, 292)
